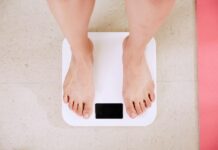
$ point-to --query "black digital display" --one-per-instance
(109, 111)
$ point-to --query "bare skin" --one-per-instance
(73, 17)
(138, 86)
(78, 84)
(144, 18)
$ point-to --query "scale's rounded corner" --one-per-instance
(65, 118)
(153, 118)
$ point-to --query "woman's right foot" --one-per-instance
(78, 85)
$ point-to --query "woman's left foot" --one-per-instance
(138, 86)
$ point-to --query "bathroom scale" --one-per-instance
(108, 106)
(207, 23)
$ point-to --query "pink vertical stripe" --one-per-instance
(207, 27)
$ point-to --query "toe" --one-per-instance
(66, 98)
(142, 106)
(75, 104)
(130, 109)
(70, 104)
(151, 96)
(137, 107)
(147, 99)
(147, 102)
(87, 110)
(80, 109)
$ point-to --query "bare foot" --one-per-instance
(78, 85)
(138, 86)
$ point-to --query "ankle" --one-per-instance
(138, 40)
(82, 49)
(135, 44)
(132, 54)
(132, 49)
(132, 59)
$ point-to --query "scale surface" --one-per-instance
(108, 74)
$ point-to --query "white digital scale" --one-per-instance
(108, 107)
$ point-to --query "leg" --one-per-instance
(144, 17)
(73, 17)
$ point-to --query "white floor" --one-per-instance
(30, 82)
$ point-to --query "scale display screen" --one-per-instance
(109, 111)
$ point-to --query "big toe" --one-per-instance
(87, 110)
(130, 109)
